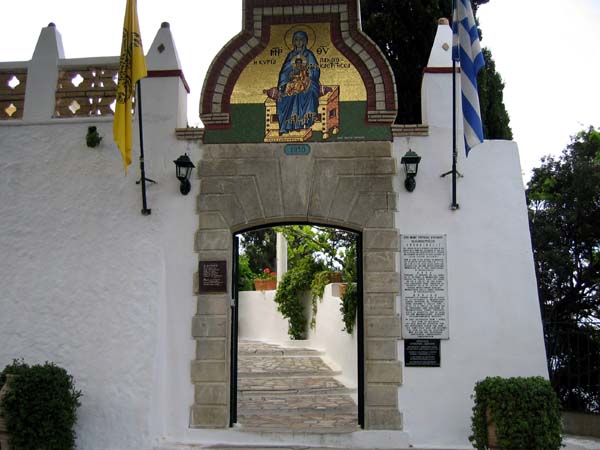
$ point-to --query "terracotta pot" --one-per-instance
(335, 277)
(342, 289)
(265, 285)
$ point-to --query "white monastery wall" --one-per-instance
(494, 316)
(89, 283)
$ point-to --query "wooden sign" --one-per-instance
(213, 276)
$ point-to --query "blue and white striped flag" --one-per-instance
(467, 51)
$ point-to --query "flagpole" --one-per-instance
(454, 206)
(145, 210)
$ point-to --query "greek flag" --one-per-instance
(467, 51)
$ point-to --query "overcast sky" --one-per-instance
(547, 51)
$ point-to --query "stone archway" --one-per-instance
(342, 184)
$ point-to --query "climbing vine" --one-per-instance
(289, 294)
(348, 307)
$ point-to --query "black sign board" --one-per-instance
(213, 276)
(422, 352)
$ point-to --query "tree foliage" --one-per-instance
(564, 210)
(260, 249)
(404, 30)
(331, 246)
(496, 123)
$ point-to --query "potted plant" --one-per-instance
(514, 414)
(266, 280)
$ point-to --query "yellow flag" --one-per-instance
(132, 67)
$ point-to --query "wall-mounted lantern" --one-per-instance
(411, 165)
(184, 166)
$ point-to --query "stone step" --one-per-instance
(283, 390)
(299, 422)
(282, 366)
(290, 384)
(257, 348)
(326, 403)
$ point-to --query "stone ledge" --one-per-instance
(210, 394)
(382, 349)
(410, 130)
(383, 372)
(381, 239)
(211, 349)
(383, 327)
(209, 416)
(383, 419)
(189, 134)
(209, 326)
(213, 304)
(381, 395)
(203, 371)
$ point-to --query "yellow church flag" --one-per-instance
(132, 67)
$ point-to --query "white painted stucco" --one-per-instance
(88, 282)
(259, 320)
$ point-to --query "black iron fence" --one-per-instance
(573, 352)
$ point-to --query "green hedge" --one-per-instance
(526, 412)
(40, 407)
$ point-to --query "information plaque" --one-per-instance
(424, 286)
(422, 352)
(213, 276)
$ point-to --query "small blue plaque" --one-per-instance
(296, 149)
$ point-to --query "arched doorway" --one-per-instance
(350, 185)
(296, 365)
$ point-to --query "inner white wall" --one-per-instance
(260, 320)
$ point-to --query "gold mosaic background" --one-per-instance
(262, 73)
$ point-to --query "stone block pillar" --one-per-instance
(211, 329)
(383, 371)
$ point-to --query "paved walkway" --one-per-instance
(291, 389)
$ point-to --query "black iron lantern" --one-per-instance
(411, 165)
(184, 166)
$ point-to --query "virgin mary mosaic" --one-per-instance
(296, 96)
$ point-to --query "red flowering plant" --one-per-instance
(266, 274)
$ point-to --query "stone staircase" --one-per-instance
(291, 390)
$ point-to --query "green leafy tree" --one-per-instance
(563, 197)
(404, 30)
(324, 244)
(496, 122)
(245, 275)
(260, 249)
(313, 253)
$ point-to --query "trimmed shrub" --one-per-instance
(525, 411)
(40, 407)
